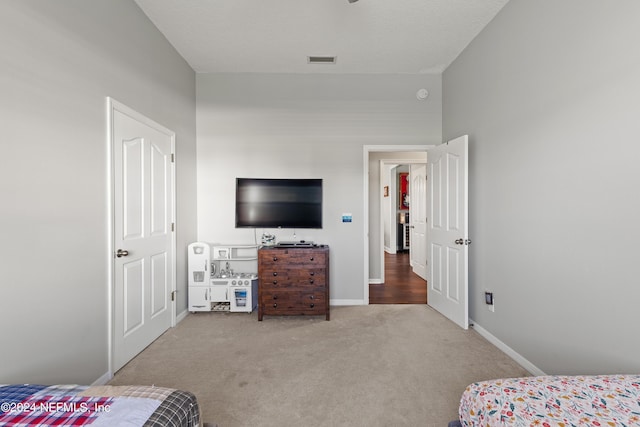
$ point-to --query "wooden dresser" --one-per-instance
(293, 281)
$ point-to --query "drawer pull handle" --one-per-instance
(275, 273)
(275, 258)
(275, 282)
(312, 305)
(311, 281)
(311, 297)
(313, 273)
(311, 259)
(275, 297)
(275, 305)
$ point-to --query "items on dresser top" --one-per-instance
(268, 239)
(294, 280)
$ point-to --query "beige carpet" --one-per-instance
(376, 365)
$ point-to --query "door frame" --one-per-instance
(112, 106)
(382, 164)
(367, 150)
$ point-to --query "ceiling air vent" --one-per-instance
(321, 59)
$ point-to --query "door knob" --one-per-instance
(121, 253)
(459, 242)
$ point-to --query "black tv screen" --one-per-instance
(278, 203)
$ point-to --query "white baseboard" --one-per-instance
(521, 360)
(103, 379)
(181, 316)
(376, 281)
(347, 302)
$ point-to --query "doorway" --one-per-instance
(401, 285)
(403, 279)
(447, 237)
(388, 272)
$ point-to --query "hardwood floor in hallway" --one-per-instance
(401, 286)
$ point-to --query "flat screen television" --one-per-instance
(278, 203)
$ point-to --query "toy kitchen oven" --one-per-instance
(222, 277)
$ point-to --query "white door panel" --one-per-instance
(132, 189)
(144, 274)
(417, 218)
(447, 230)
(159, 285)
(132, 296)
(160, 178)
(453, 275)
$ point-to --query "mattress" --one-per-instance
(605, 400)
(74, 405)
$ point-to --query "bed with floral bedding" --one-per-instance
(74, 405)
(564, 401)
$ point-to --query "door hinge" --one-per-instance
(173, 226)
(173, 158)
(173, 295)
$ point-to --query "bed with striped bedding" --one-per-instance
(75, 405)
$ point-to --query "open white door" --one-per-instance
(447, 230)
(418, 218)
(143, 239)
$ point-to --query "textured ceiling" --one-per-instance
(277, 36)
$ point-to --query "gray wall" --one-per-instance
(305, 125)
(549, 95)
(59, 62)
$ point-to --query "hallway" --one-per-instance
(402, 286)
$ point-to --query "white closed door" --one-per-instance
(143, 242)
(418, 218)
(447, 230)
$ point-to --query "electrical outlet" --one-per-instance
(490, 301)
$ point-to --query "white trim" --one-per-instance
(391, 188)
(181, 316)
(533, 369)
(110, 237)
(376, 281)
(338, 302)
(366, 151)
(113, 105)
(104, 379)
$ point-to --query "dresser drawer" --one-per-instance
(308, 258)
(269, 275)
(310, 275)
(292, 279)
(293, 302)
(292, 258)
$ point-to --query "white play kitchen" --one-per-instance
(222, 277)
